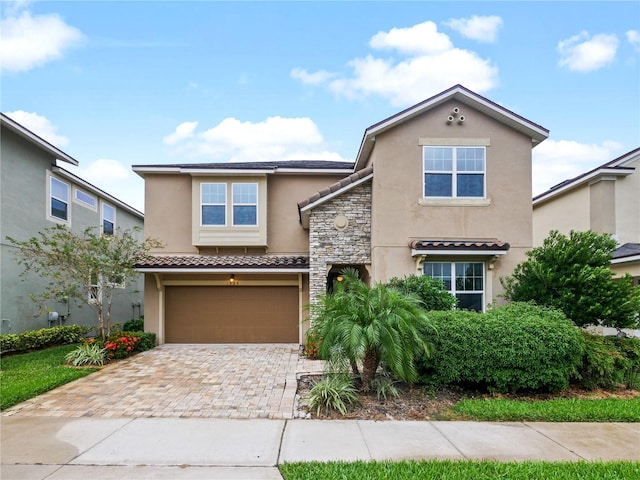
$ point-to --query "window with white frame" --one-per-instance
(86, 199)
(108, 219)
(213, 204)
(464, 280)
(58, 199)
(454, 172)
(245, 204)
(95, 290)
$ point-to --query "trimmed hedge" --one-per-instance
(43, 338)
(517, 347)
(609, 362)
(136, 325)
(147, 341)
(430, 290)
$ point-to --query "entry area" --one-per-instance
(238, 314)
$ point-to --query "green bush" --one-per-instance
(43, 338)
(146, 341)
(333, 392)
(87, 354)
(609, 362)
(136, 325)
(517, 347)
(430, 291)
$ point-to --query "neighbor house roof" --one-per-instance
(285, 166)
(614, 168)
(224, 263)
(36, 140)
(458, 247)
(629, 252)
(463, 96)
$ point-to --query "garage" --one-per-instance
(238, 314)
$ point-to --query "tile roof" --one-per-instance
(223, 261)
(626, 250)
(335, 187)
(455, 245)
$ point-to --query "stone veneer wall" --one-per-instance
(330, 245)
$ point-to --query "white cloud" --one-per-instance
(104, 171)
(431, 64)
(633, 37)
(321, 76)
(557, 160)
(276, 138)
(583, 53)
(39, 125)
(482, 29)
(30, 41)
(183, 131)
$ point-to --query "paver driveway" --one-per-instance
(208, 381)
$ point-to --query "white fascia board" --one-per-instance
(224, 171)
(487, 253)
(615, 172)
(629, 259)
(336, 171)
(141, 170)
(221, 270)
(95, 190)
(338, 192)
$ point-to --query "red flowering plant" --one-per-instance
(312, 344)
(120, 345)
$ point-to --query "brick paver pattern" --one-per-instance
(206, 381)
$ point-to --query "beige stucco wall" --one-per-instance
(628, 206)
(400, 213)
(565, 213)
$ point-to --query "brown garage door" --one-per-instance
(231, 314)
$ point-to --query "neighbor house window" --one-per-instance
(85, 199)
(59, 199)
(108, 219)
(245, 204)
(455, 172)
(213, 203)
(464, 280)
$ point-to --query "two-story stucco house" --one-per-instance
(605, 200)
(36, 192)
(442, 189)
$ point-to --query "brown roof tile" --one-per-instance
(334, 187)
(223, 261)
(454, 245)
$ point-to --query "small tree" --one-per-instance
(572, 274)
(87, 266)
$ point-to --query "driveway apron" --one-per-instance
(195, 381)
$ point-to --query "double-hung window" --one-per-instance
(108, 219)
(454, 172)
(245, 204)
(213, 204)
(59, 199)
(464, 280)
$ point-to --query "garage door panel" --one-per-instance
(231, 314)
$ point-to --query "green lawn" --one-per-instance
(559, 410)
(27, 375)
(461, 470)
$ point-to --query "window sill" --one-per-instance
(454, 202)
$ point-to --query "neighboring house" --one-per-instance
(442, 188)
(36, 193)
(605, 200)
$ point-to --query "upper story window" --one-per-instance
(464, 280)
(245, 204)
(108, 219)
(85, 199)
(454, 172)
(213, 204)
(58, 200)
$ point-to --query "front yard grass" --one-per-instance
(461, 470)
(26, 375)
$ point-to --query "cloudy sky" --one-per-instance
(115, 84)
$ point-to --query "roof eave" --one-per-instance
(441, 251)
(220, 270)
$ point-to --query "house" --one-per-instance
(442, 188)
(605, 200)
(36, 192)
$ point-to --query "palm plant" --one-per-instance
(370, 325)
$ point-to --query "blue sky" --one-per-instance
(120, 83)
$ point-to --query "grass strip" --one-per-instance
(557, 410)
(27, 375)
(461, 470)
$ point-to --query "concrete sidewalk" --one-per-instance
(174, 448)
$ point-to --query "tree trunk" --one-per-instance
(369, 367)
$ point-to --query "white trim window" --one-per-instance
(245, 204)
(58, 200)
(85, 199)
(454, 172)
(108, 219)
(213, 204)
(464, 280)
(95, 290)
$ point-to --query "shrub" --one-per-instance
(87, 354)
(120, 345)
(136, 325)
(609, 362)
(511, 348)
(430, 291)
(146, 341)
(312, 343)
(43, 338)
(333, 392)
